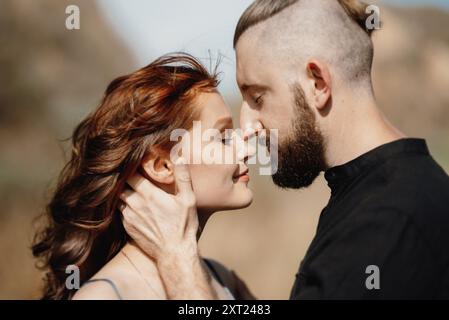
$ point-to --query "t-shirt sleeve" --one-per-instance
(377, 255)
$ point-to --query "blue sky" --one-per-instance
(440, 3)
(203, 28)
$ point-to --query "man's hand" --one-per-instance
(165, 227)
(160, 222)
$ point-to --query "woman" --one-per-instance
(128, 133)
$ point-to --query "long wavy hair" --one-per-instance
(138, 111)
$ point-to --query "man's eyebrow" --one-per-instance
(224, 123)
(254, 86)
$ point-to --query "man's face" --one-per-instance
(272, 100)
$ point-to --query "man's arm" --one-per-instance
(165, 227)
(185, 278)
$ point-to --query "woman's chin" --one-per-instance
(247, 203)
(242, 200)
(238, 199)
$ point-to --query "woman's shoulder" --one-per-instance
(230, 279)
(98, 289)
(111, 282)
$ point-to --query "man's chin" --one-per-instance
(286, 180)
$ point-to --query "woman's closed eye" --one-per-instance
(226, 137)
(226, 140)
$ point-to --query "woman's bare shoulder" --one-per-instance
(111, 282)
(98, 289)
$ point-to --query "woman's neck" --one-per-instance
(203, 217)
(138, 258)
(132, 249)
(142, 270)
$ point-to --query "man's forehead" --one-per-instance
(251, 38)
(254, 68)
(250, 56)
(250, 75)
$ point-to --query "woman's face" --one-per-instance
(221, 184)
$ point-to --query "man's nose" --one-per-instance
(244, 148)
(249, 121)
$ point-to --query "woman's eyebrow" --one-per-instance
(224, 123)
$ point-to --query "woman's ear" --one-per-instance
(159, 168)
(319, 73)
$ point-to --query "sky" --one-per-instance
(438, 3)
(203, 28)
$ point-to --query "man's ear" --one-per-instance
(319, 73)
(159, 168)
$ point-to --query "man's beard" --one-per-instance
(301, 154)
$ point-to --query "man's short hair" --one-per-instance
(261, 10)
(334, 30)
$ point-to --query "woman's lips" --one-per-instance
(244, 177)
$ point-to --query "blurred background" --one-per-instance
(51, 77)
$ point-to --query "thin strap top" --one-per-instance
(221, 280)
(212, 268)
(110, 282)
(215, 272)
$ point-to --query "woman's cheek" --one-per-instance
(214, 186)
(206, 185)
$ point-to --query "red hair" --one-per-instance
(137, 113)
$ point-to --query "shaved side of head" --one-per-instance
(291, 32)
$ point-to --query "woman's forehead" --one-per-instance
(214, 111)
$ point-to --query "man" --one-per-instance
(304, 68)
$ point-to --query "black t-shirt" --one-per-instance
(385, 231)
